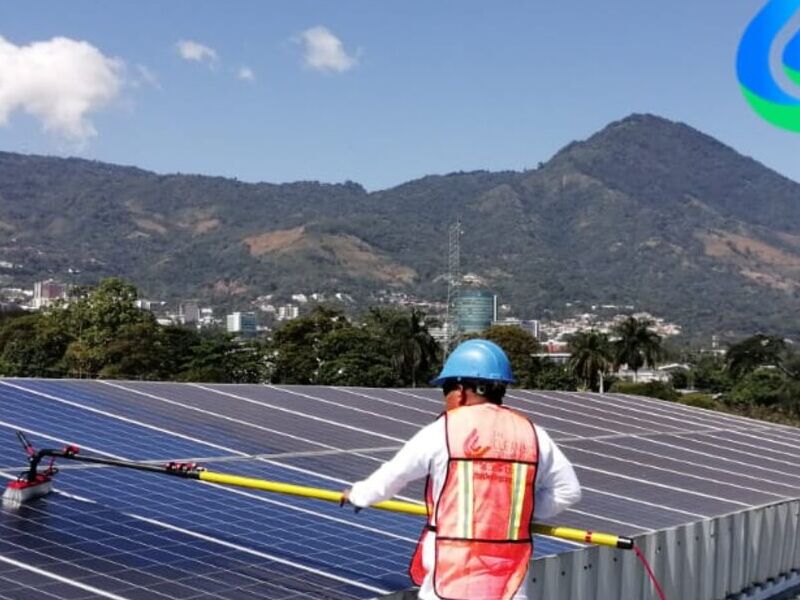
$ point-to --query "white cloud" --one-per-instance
(190, 50)
(59, 82)
(245, 74)
(323, 51)
(147, 76)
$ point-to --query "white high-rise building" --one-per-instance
(287, 312)
(142, 304)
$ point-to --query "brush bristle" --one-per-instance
(22, 492)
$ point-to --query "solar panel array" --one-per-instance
(111, 533)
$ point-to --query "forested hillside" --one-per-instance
(645, 212)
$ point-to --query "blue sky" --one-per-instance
(374, 92)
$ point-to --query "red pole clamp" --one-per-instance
(71, 450)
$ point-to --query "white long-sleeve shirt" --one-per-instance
(556, 489)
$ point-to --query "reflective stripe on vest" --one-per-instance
(518, 484)
(484, 510)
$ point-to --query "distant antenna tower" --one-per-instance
(453, 285)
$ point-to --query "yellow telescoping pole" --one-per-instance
(409, 508)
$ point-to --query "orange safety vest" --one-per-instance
(485, 508)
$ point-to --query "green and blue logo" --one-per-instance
(754, 69)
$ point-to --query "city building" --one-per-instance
(554, 346)
(560, 358)
(243, 324)
(287, 312)
(207, 317)
(189, 312)
(531, 326)
(439, 333)
(45, 293)
(644, 375)
(476, 309)
(17, 295)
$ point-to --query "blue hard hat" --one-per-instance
(476, 359)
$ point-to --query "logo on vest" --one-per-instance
(471, 447)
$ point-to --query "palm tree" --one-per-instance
(414, 351)
(418, 351)
(590, 357)
(636, 344)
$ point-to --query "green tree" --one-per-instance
(247, 363)
(548, 375)
(681, 378)
(100, 312)
(218, 358)
(590, 357)
(635, 344)
(180, 344)
(296, 345)
(754, 352)
(791, 365)
(699, 400)
(10, 311)
(520, 347)
(95, 319)
(355, 356)
(767, 387)
(708, 373)
(138, 351)
(33, 345)
(207, 361)
(415, 355)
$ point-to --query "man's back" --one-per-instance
(490, 470)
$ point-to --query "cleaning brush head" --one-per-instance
(23, 491)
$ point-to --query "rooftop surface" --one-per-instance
(644, 465)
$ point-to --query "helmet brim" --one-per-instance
(440, 380)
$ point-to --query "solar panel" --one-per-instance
(644, 465)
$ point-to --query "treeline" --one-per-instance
(758, 376)
(100, 333)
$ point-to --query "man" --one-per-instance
(490, 472)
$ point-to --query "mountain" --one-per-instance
(646, 212)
